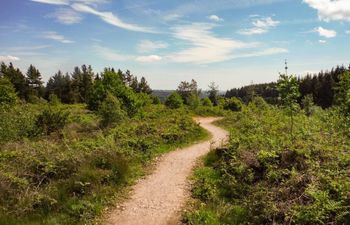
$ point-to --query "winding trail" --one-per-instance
(158, 198)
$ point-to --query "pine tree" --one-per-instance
(143, 86)
(35, 84)
(213, 93)
(16, 77)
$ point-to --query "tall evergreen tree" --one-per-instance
(60, 85)
(34, 81)
(143, 86)
(16, 77)
(213, 93)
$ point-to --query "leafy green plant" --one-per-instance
(174, 101)
(233, 104)
(288, 88)
(110, 111)
(51, 120)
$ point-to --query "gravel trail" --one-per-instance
(159, 197)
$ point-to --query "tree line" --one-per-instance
(76, 87)
(321, 87)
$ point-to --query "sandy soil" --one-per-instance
(159, 197)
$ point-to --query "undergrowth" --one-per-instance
(70, 173)
(264, 177)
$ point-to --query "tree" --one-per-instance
(110, 111)
(143, 86)
(288, 88)
(16, 77)
(82, 82)
(35, 84)
(213, 93)
(174, 101)
(7, 92)
(61, 86)
(187, 89)
(111, 82)
(343, 93)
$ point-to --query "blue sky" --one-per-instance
(230, 42)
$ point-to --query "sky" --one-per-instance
(229, 42)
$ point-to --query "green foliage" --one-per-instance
(206, 102)
(112, 83)
(288, 89)
(51, 120)
(110, 111)
(233, 104)
(54, 100)
(174, 101)
(308, 105)
(213, 93)
(71, 180)
(343, 93)
(262, 178)
(7, 92)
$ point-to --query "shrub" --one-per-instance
(110, 111)
(206, 102)
(174, 101)
(54, 100)
(7, 92)
(233, 104)
(51, 120)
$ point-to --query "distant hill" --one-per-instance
(162, 94)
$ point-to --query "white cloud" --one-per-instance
(149, 46)
(67, 2)
(322, 41)
(328, 10)
(66, 16)
(110, 18)
(347, 32)
(8, 58)
(260, 26)
(172, 17)
(149, 59)
(205, 47)
(53, 2)
(56, 37)
(110, 55)
(325, 33)
(265, 52)
(215, 18)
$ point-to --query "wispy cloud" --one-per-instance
(110, 55)
(149, 59)
(110, 18)
(322, 41)
(215, 18)
(66, 16)
(8, 58)
(67, 2)
(149, 46)
(52, 35)
(347, 31)
(328, 10)
(205, 47)
(325, 33)
(53, 2)
(260, 26)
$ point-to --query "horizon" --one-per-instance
(227, 42)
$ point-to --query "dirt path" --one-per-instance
(159, 198)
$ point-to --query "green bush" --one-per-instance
(233, 104)
(7, 92)
(110, 111)
(51, 120)
(174, 101)
(206, 102)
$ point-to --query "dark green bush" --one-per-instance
(51, 120)
(233, 104)
(7, 92)
(174, 101)
(110, 111)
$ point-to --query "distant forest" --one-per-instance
(320, 86)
